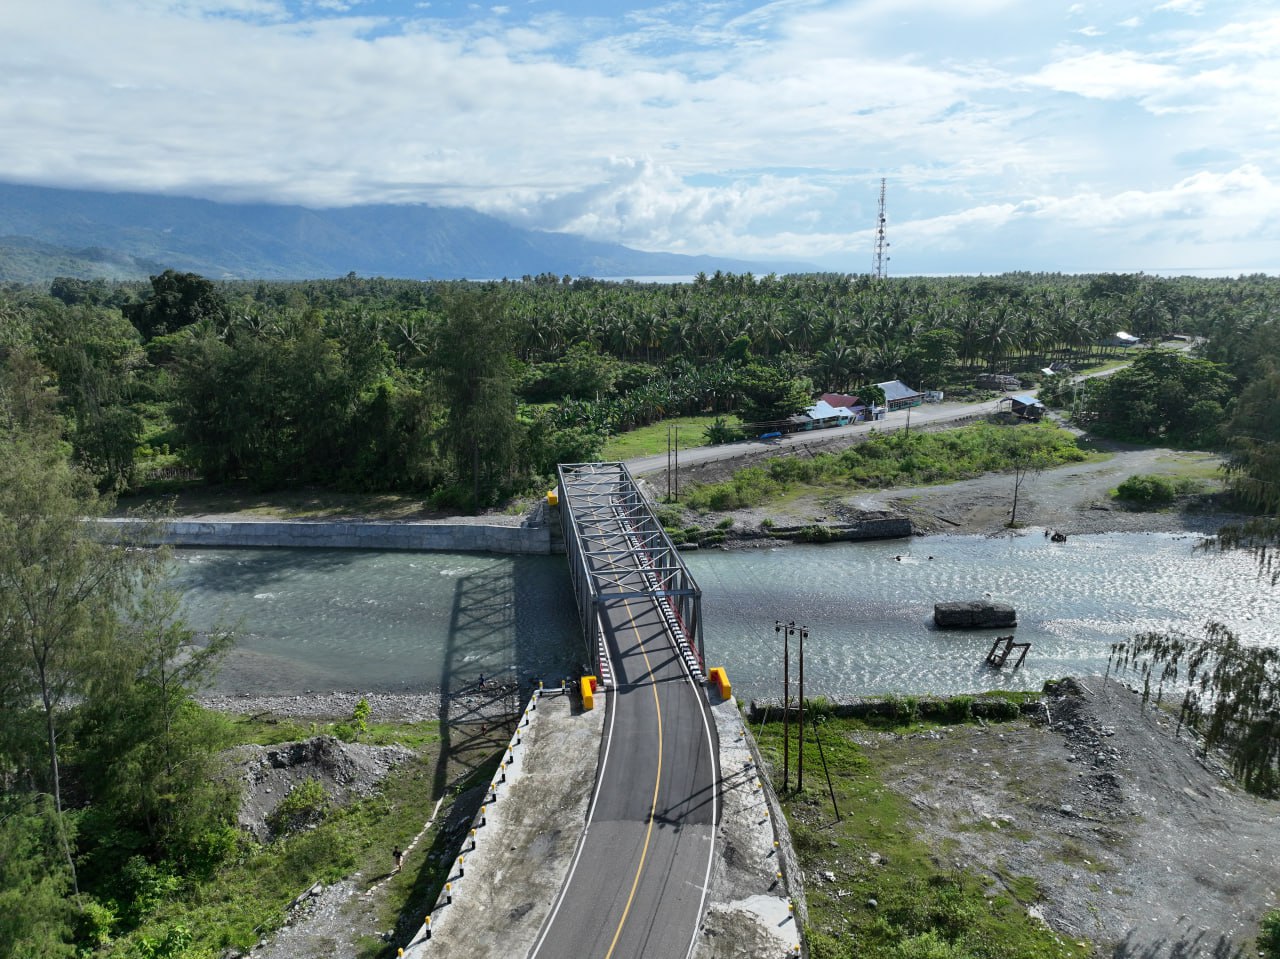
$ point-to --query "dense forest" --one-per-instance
(469, 393)
(466, 394)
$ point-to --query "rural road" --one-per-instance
(926, 414)
(920, 415)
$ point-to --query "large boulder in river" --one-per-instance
(977, 614)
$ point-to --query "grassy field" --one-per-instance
(899, 459)
(893, 896)
(652, 440)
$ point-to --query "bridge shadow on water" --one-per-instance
(502, 628)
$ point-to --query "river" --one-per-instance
(325, 620)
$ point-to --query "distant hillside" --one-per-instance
(48, 232)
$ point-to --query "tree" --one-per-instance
(58, 588)
(177, 300)
(1025, 465)
(769, 393)
(929, 357)
(1231, 694)
(475, 362)
(1162, 396)
(146, 751)
(36, 914)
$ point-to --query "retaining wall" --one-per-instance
(440, 537)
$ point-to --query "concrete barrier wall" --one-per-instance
(439, 537)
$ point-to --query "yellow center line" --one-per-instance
(653, 806)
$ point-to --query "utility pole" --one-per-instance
(786, 629)
(800, 755)
(677, 469)
(668, 464)
(673, 455)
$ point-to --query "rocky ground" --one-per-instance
(1074, 499)
(1138, 842)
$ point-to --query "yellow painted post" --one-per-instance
(588, 687)
(720, 679)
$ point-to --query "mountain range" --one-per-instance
(47, 232)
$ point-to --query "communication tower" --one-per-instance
(881, 243)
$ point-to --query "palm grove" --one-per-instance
(468, 395)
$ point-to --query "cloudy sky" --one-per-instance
(1013, 134)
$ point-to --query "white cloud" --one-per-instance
(1106, 76)
(1191, 7)
(707, 129)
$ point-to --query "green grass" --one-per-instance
(652, 440)
(885, 461)
(246, 898)
(924, 906)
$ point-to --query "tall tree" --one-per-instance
(59, 587)
(176, 300)
(476, 363)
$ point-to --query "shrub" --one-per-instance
(928, 945)
(360, 717)
(306, 805)
(1269, 936)
(1147, 490)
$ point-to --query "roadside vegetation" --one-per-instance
(898, 459)
(891, 895)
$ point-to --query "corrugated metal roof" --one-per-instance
(1026, 400)
(822, 410)
(897, 390)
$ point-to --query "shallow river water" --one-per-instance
(353, 620)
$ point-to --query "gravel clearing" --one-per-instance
(1138, 842)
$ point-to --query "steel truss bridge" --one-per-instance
(619, 550)
(641, 875)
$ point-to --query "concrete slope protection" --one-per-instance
(638, 885)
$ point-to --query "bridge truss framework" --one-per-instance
(618, 550)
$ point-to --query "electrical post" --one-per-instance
(677, 457)
(785, 629)
(800, 755)
(668, 463)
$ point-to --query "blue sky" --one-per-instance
(1014, 134)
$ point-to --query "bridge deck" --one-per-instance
(638, 884)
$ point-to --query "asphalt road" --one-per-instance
(638, 884)
(920, 415)
(927, 413)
